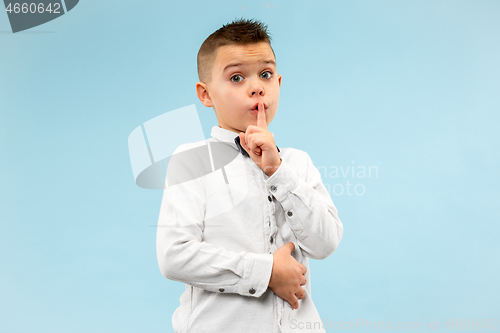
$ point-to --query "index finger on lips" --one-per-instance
(261, 116)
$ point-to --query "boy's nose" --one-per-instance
(257, 90)
(255, 86)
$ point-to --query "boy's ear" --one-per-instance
(203, 95)
(279, 80)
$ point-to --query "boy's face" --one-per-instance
(242, 76)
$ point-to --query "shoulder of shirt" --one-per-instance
(293, 152)
(298, 159)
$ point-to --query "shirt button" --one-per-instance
(289, 213)
(221, 290)
(273, 188)
(269, 198)
(252, 291)
(271, 240)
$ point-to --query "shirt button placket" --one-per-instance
(271, 212)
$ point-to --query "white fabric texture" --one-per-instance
(217, 233)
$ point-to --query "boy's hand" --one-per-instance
(259, 144)
(287, 276)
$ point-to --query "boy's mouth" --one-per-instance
(256, 107)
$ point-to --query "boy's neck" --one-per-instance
(229, 130)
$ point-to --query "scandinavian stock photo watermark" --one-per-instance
(348, 180)
(400, 325)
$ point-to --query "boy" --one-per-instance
(240, 237)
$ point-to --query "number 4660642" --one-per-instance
(471, 324)
(33, 8)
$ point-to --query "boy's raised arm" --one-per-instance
(308, 207)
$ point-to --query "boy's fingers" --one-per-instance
(261, 116)
(254, 147)
(301, 294)
(294, 302)
(256, 150)
(304, 281)
(242, 141)
(290, 246)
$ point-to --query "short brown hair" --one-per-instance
(240, 32)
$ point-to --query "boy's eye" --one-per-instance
(266, 75)
(236, 78)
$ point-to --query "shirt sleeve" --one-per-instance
(308, 207)
(184, 256)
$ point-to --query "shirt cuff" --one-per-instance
(283, 181)
(258, 271)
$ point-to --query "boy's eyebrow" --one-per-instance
(240, 64)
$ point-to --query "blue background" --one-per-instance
(410, 87)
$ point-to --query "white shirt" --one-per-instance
(216, 233)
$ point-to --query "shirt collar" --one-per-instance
(225, 135)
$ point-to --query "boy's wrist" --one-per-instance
(274, 169)
(283, 181)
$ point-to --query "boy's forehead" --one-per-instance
(233, 55)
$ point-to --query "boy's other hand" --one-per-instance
(287, 276)
(259, 144)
